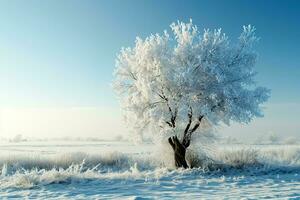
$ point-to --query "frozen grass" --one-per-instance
(120, 175)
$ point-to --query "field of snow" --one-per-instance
(121, 170)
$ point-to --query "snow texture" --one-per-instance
(96, 170)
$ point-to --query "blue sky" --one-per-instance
(61, 53)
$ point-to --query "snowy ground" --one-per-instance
(98, 170)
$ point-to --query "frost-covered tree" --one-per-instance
(171, 84)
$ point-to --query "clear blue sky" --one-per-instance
(61, 53)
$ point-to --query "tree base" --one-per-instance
(179, 152)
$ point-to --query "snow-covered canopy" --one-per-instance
(164, 78)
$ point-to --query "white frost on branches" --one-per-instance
(165, 81)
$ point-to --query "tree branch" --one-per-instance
(237, 57)
(196, 125)
(172, 122)
(190, 115)
(173, 117)
(132, 76)
(150, 105)
(187, 136)
(171, 143)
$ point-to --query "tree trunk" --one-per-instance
(180, 147)
(179, 152)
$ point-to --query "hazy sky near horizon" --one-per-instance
(57, 59)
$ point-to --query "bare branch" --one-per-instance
(171, 143)
(132, 76)
(190, 115)
(162, 96)
(187, 136)
(173, 117)
(170, 124)
(151, 105)
(196, 125)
